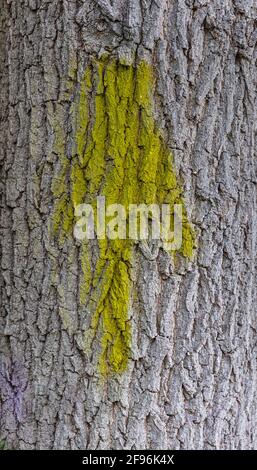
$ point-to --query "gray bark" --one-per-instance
(191, 381)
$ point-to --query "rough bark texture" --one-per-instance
(191, 379)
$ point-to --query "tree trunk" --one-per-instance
(189, 381)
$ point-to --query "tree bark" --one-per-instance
(191, 377)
